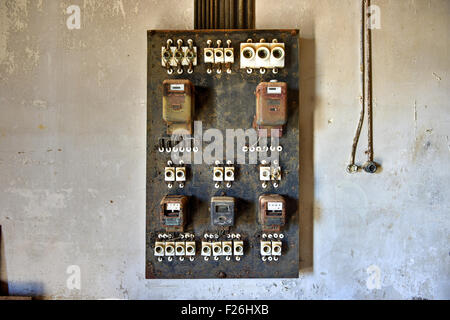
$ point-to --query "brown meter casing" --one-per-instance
(271, 108)
(173, 213)
(272, 212)
(178, 106)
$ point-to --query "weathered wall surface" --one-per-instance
(72, 151)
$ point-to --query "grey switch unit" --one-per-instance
(222, 211)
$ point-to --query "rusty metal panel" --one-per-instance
(223, 101)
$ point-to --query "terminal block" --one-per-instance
(171, 249)
(271, 248)
(179, 56)
(174, 174)
(222, 211)
(270, 174)
(221, 174)
(218, 57)
(227, 249)
(173, 214)
(262, 55)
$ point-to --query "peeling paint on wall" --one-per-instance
(72, 150)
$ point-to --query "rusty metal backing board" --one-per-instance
(223, 101)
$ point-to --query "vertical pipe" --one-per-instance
(351, 167)
(211, 13)
(227, 14)
(216, 14)
(250, 14)
(241, 14)
(208, 16)
(222, 14)
(368, 82)
(200, 21)
(232, 15)
(196, 15)
(205, 14)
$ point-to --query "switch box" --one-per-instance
(190, 248)
(159, 249)
(238, 248)
(178, 106)
(266, 248)
(272, 212)
(173, 213)
(229, 55)
(222, 211)
(217, 248)
(170, 249)
(277, 55)
(206, 249)
(209, 55)
(169, 174)
(227, 248)
(264, 173)
(276, 248)
(218, 55)
(262, 55)
(180, 248)
(181, 173)
(271, 108)
(229, 173)
(248, 55)
(218, 174)
(184, 86)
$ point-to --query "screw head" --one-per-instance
(352, 168)
(370, 167)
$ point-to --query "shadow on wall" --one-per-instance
(306, 185)
(24, 289)
(3, 273)
(27, 289)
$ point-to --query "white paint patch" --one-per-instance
(40, 104)
(39, 5)
(39, 202)
(18, 14)
(118, 7)
(33, 55)
(3, 31)
(93, 192)
(437, 77)
(9, 63)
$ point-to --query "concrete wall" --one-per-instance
(72, 151)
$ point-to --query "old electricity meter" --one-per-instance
(222, 211)
(178, 106)
(272, 212)
(271, 108)
(173, 214)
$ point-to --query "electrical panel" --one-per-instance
(222, 154)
